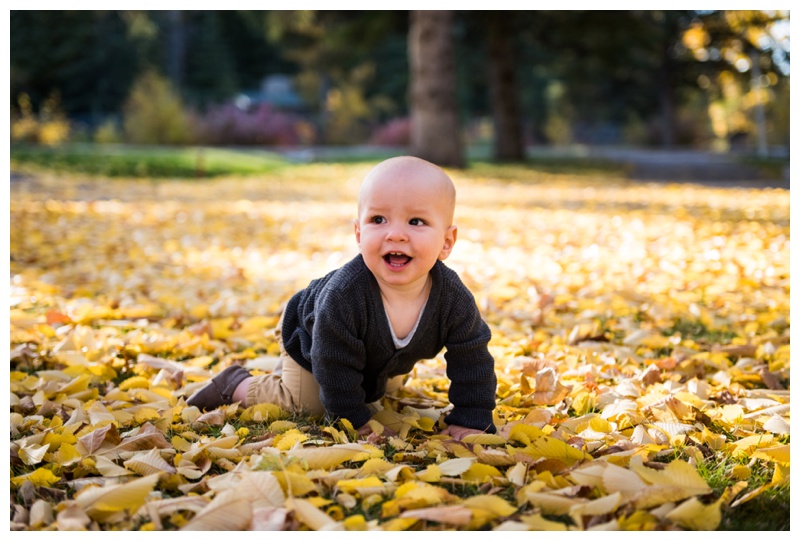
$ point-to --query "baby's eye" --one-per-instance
(378, 220)
(416, 221)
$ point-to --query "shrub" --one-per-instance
(396, 132)
(49, 127)
(107, 133)
(154, 113)
(226, 124)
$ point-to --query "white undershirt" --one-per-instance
(398, 343)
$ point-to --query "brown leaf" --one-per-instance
(92, 441)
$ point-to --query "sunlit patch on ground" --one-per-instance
(641, 334)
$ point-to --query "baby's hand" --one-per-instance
(458, 432)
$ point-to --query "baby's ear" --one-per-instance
(449, 241)
(357, 230)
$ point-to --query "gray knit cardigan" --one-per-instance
(338, 330)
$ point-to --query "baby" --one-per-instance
(349, 338)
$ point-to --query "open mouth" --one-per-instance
(397, 259)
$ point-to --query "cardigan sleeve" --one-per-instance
(338, 359)
(470, 367)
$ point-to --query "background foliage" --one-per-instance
(700, 78)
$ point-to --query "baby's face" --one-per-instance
(405, 222)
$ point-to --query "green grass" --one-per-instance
(698, 331)
(768, 511)
(136, 161)
(206, 162)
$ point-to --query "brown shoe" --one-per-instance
(219, 391)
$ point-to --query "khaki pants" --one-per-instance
(294, 388)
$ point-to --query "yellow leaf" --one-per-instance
(108, 468)
(375, 466)
(677, 473)
(600, 506)
(480, 473)
(146, 414)
(431, 474)
(355, 523)
(358, 485)
(694, 515)
(495, 505)
(294, 484)
(551, 504)
(311, 516)
(136, 382)
(399, 524)
(779, 454)
(740, 471)
(287, 440)
(279, 427)
(484, 439)
(67, 455)
(348, 426)
(524, 433)
(781, 475)
(549, 447)
(262, 413)
(40, 477)
(656, 495)
(538, 523)
(584, 402)
(400, 473)
(638, 521)
(493, 457)
(457, 515)
(228, 511)
(323, 458)
(414, 494)
(598, 424)
(103, 503)
(149, 463)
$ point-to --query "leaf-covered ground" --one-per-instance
(640, 331)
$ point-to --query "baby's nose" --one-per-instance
(397, 232)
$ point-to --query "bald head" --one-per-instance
(416, 174)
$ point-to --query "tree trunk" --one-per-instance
(503, 91)
(435, 127)
(177, 48)
(667, 101)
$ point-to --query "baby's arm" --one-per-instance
(470, 368)
(338, 362)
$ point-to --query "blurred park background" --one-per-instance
(712, 86)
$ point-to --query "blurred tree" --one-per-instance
(503, 89)
(351, 70)
(89, 57)
(745, 58)
(253, 56)
(435, 127)
(209, 75)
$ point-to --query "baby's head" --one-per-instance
(405, 219)
(413, 174)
